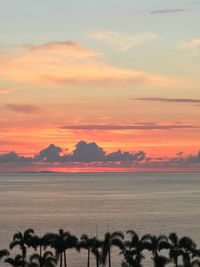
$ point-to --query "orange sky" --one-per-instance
(130, 88)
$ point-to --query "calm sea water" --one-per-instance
(94, 203)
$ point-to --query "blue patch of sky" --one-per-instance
(38, 21)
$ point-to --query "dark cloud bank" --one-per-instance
(91, 153)
(83, 152)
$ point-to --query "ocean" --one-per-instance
(94, 203)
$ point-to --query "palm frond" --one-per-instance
(4, 253)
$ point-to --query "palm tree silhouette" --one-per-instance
(40, 242)
(23, 240)
(188, 248)
(160, 261)
(4, 253)
(195, 263)
(47, 260)
(17, 261)
(86, 243)
(71, 241)
(133, 249)
(111, 239)
(96, 246)
(56, 241)
(61, 242)
(151, 242)
(173, 245)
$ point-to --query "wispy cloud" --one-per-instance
(123, 41)
(23, 108)
(6, 90)
(167, 10)
(71, 48)
(195, 43)
(168, 100)
(68, 63)
(140, 126)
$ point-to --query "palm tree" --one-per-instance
(160, 261)
(56, 241)
(111, 239)
(188, 250)
(184, 247)
(151, 242)
(196, 258)
(96, 245)
(4, 253)
(133, 249)
(39, 242)
(71, 241)
(173, 245)
(23, 240)
(195, 263)
(18, 261)
(129, 256)
(61, 242)
(47, 260)
(86, 243)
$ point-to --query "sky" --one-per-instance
(99, 85)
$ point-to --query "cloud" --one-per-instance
(54, 64)
(87, 152)
(180, 161)
(168, 100)
(23, 108)
(123, 41)
(68, 47)
(194, 158)
(91, 155)
(49, 154)
(6, 90)
(166, 11)
(195, 43)
(139, 126)
(125, 156)
(13, 157)
(83, 152)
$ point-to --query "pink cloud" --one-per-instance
(69, 63)
(6, 90)
(23, 108)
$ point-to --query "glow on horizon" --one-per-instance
(94, 78)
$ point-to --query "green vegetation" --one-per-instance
(51, 250)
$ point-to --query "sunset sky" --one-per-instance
(123, 75)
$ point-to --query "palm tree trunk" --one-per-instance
(176, 261)
(40, 255)
(65, 258)
(138, 260)
(97, 261)
(23, 254)
(88, 263)
(61, 259)
(109, 257)
(155, 256)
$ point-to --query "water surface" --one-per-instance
(94, 203)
